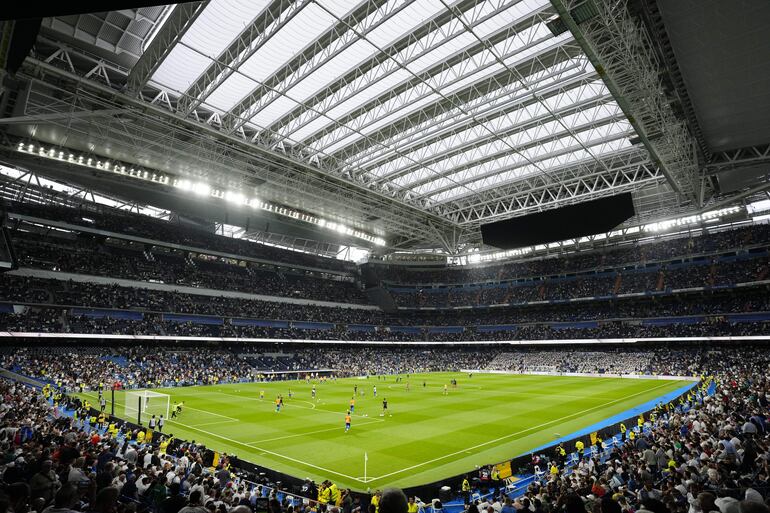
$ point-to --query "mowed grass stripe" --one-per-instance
(488, 418)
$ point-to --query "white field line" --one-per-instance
(231, 440)
(217, 423)
(514, 434)
(312, 405)
(212, 413)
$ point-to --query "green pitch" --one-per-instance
(426, 436)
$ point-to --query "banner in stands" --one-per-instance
(742, 338)
(587, 374)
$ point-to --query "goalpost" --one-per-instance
(143, 404)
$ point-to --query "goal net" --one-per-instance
(141, 405)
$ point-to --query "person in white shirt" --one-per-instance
(119, 481)
(143, 484)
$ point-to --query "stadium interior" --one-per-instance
(540, 227)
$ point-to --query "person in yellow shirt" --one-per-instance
(352, 405)
(411, 506)
(466, 490)
(580, 448)
(347, 422)
(140, 437)
(324, 494)
(334, 494)
(623, 430)
(375, 501)
(163, 447)
(562, 454)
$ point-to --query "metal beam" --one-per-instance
(256, 34)
(620, 50)
(36, 118)
(441, 30)
(503, 102)
(480, 164)
(574, 182)
(418, 43)
(168, 36)
(731, 159)
(369, 16)
(476, 138)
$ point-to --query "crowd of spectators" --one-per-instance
(711, 454)
(702, 274)
(86, 294)
(178, 232)
(131, 366)
(56, 464)
(141, 365)
(699, 243)
(701, 260)
(618, 361)
(179, 268)
(27, 290)
(69, 307)
(160, 265)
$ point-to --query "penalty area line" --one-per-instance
(217, 423)
(277, 455)
(212, 413)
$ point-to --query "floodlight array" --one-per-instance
(201, 189)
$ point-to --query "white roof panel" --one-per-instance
(212, 32)
(300, 31)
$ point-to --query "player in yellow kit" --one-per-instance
(347, 422)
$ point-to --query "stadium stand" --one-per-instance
(711, 284)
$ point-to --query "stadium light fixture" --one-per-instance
(758, 206)
(235, 197)
(201, 189)
(197, 188)
(710, 217)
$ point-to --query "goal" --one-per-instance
(143, 404)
